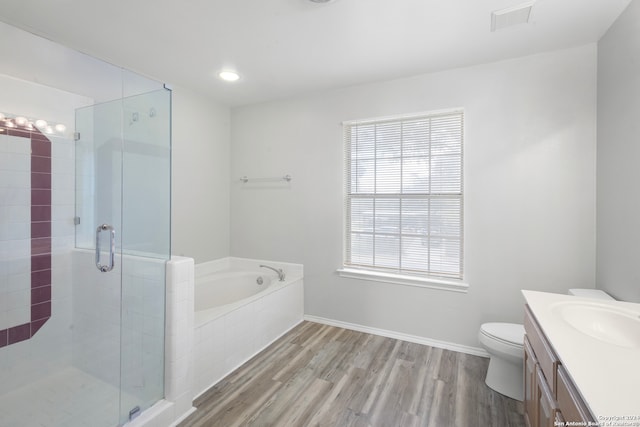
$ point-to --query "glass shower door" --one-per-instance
(146, 232)
(123, 160)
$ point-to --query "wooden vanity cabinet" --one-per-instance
(568, 397)
(547, 406)
(530, 386)
(550, 397)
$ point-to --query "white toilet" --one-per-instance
(505, 344)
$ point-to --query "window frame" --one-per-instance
(423, 278)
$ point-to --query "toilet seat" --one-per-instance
(511, 334)
(503, 339)
(505, 344)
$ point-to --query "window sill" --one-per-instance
(399, 279)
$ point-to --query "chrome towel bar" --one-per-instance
(245, 179)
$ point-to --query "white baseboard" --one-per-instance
(476, 351)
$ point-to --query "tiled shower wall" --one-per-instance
(50, 348)
(36, 237)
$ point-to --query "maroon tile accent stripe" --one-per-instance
(19, 333)
(41, 246)
(41, 294)
(40, 278)
(41, 181)
(40, 164)
(40, 237)
(35, 326)
(40, 213)
(40, 311)
(40, 262)
(25, 133)
(41, 197)
(41, 147)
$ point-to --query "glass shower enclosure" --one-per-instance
(84, 239)
(122, 240)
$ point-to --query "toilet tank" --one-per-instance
(590, 293)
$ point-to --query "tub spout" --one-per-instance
(277, 270)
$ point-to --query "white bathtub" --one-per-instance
(235, 317)
(224, 288)
(219, 292)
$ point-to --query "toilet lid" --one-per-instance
(510, 332)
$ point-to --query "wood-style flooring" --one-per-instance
(319, 375)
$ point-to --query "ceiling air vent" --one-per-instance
(515, 15)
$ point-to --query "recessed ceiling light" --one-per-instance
(229, 76)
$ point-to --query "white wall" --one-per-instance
(200, 177)
(619, 156)
(48, 63)
(529, 190)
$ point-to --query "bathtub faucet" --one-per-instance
(278, 270)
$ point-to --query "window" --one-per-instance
(404, 201)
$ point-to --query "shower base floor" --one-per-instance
(69, 397)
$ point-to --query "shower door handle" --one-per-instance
(112, 247)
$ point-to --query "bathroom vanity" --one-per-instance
(580, 361)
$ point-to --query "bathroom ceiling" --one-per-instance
(283, 48)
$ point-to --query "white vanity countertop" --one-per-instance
(607, 375)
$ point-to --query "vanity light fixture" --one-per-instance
(229, 76)
(28, 123)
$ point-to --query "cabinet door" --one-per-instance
(547, 407)
(530, 386)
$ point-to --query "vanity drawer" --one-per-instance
(573, 407)
(547, 359)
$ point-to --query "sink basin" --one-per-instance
(608, 324)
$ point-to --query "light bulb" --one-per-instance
(21, 121)
(229, 76)
(48, 130)
(61, 128)
(41, 123)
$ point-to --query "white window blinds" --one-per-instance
(404, 201)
